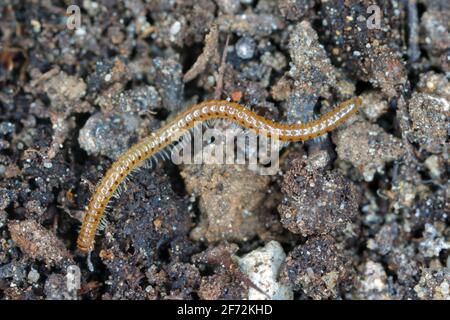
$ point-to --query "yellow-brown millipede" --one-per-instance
(213, 109)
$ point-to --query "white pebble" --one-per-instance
(175, 28)
(262, 266)
(33, 276)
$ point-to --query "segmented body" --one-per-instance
(214, 109)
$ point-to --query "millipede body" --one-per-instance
(213, 109)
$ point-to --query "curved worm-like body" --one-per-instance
(214, 109)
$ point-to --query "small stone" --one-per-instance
(33, 276)
(262, 266)
(433, 165)
(245, 48)
(175, 28)
(108, 135)
(47, 164)
(7, 128)
(372, 284)
(36, 25)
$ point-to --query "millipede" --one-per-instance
(180, 126)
